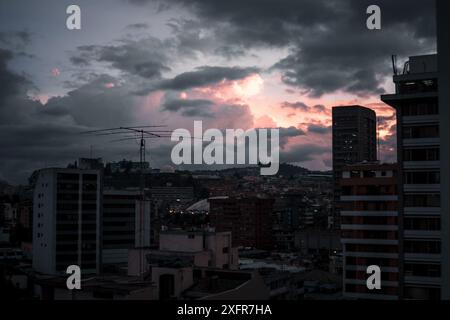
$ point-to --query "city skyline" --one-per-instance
(186, 150)
(231, 65)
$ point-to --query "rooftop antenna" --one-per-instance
(394, 64)
(132, 133)
(378, 140)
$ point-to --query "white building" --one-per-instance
(66, 220)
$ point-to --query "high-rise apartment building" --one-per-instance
(443, 45)
(354, 141)
(369, 224)
(66, 220)
(418, 144)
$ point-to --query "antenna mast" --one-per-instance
(142, 134)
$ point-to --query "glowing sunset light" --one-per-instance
(183, 95)
(237, 90)
(56, 72)
(249, 86)
(42, 98)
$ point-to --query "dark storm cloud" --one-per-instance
(346, 56)
(206, 75)
(214, 114)
(16, 40)
(33, 135)
(385, 121)
(258, 22)
(296, 105)
(290, 132)
(303, 152)
(330, 47)
(189, 108)
(229, 52)
(12, 84)
(146, 58)
(138, 26)
(303, 107)
(319, 129)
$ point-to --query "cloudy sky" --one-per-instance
(233, 64)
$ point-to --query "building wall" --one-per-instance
(118, 225)
(248, 219)
(44, 221)
(218, 244)
(66, 220)
(118, 222)
(370, 229)
(444, 115)
(418, 146)
(354, 141)
(183, 279)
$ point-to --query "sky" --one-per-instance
(232, 64)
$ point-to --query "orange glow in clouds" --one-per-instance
(183, 95)
(56, 72)
(249, 86)
(234, 90)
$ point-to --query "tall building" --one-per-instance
(418, 144)
(354, 141)
(66, 220)
(369, 223)
(443, 44)
(118, 225)
(248, 219)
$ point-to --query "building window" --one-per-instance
(421, 132)
(422, 177)
(420, 109)
(422, 223)
(429, 154)
(423, 200)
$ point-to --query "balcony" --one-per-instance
(421, 187)
(370, 198)
(421, 164)
(423, 280)
(422, 234)
(369, 227)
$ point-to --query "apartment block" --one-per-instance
(354, 141)
(370, 229)
(418, 143)
(66, 220)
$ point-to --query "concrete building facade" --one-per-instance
(418, 145)
(66, 220)
(370, 230)
(354, 141)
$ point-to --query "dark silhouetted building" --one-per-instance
(419, 149)
(369, 223)
(248, 219)
(354, 141)
(118, 225)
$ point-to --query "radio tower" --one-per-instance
(132, 133)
